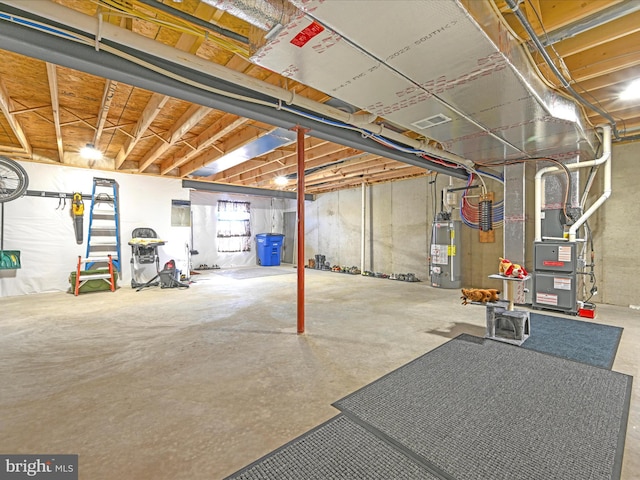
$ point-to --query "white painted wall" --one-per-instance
(44, 234)
(267, 216)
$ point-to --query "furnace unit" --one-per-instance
(555, 279)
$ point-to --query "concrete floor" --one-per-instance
(197, 383)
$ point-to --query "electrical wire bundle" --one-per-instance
(472, 213)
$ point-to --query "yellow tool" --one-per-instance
(77, 209)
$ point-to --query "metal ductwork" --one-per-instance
(126, 57)
(264, 14)
(451, 71)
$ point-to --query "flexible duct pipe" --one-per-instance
(260, 13)
(121, 36)
(514, 6)
(605, 157)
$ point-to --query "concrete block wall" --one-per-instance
(398, 221)
(616, 229)
(399, 217)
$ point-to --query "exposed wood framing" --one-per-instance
(237, 140)
(189, 119)
(109, 91)
(55, 107)
(151, 111)
(6, 105)
(226, 125)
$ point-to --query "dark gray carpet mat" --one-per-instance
(338, 449)
(245, 273)
(480, 409)
(579, 340)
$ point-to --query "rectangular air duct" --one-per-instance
(448, 58)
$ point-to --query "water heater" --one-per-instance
(445, 255)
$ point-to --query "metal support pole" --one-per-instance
(363, 226)
(300, 190)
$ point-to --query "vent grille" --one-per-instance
(431, 121)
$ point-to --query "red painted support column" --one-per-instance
(300, 150)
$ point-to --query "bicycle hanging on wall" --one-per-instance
(13, 184)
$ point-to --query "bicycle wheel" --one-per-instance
(13, 180)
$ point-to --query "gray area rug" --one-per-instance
(338, 449)
(249, 272)
(479, 409)
(580, 340)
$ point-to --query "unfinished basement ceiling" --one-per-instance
(447, 76)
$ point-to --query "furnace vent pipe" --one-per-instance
(605, 158)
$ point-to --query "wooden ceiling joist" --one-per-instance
(151, 111)
(6, 105)
(232, 142)
(212, 134)
(189, 119)
(110, 87)
(55, 107)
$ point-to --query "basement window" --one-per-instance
(234, 226)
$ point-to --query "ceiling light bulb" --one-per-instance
(632, 91)
(281, 180)
(90, 152)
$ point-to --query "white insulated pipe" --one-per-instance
(604, 158)
(107, 31)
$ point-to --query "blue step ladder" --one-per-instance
(103, 241)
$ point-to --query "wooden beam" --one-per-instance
(612, 53)
(614, 78)
(235, 141)
(317, 161)
(533, 12)
(110, 87)
(407, 171)
(279, 155)
(221, 128)
(55, 107)
(559, 13)
(365, 172)
(186, 122)
(595, 37)
(320, 151)
(151, 110)
(6, 106)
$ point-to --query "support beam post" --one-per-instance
(300, 190)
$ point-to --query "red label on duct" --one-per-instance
(307, 34)
(549, 263)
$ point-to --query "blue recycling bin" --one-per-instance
(269, 248)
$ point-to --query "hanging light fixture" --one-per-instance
(281, 180)
(90, 152)
(632, 92)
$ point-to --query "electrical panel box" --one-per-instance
(555, 277)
